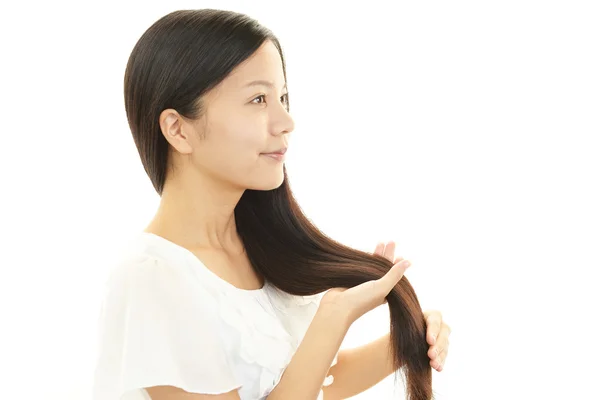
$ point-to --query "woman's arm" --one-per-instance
(359, 369)
(303, 378)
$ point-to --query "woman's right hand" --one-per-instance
(358, 300)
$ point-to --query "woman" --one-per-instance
(230, 291)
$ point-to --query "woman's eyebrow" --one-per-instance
(261, 82)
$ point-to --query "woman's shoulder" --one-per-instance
(146, 266)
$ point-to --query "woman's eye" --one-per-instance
(262, 96)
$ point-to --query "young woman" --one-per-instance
(231, 292)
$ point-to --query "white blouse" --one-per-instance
(166, 319)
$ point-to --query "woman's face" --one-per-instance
(242, 122)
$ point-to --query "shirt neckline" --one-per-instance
(196, 260)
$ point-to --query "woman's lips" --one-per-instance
(275, 156)
(278, 155)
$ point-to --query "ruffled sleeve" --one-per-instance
(154, 330)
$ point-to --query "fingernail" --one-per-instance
(406, 263)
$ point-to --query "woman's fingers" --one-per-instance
(379, 248)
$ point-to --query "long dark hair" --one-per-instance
(178, 59)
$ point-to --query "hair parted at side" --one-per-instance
(179, 58)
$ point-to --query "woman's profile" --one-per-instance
(230, 292)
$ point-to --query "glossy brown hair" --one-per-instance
(181, 57)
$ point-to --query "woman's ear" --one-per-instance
(176, 130)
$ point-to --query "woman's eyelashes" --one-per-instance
(284, 97)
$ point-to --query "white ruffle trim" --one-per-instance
(264, 341)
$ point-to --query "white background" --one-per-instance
(467, 131)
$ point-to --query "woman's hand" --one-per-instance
(358, 300)
(438, 333)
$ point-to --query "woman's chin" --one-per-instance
(269, 184)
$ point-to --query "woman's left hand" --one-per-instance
(438, 331)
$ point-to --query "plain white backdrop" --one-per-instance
(466, 131)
